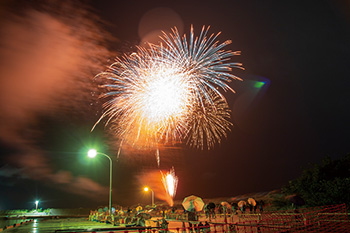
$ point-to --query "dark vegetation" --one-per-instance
(323, 184)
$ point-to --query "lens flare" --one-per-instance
(165, 93)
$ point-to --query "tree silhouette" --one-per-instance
(325, 184)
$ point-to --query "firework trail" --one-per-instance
(172, 91)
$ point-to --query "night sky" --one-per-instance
(290, 110)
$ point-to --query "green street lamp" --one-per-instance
(146, 190)
(92, 154)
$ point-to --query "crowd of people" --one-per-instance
(117, 217)
(142, 217)
(225, 208)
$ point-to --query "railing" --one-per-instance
(314, 219)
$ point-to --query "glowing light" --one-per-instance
(146, 189)
(170, 182)
(164, 96)
(92, 153)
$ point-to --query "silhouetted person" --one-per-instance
(243, 208)
(191, 216)
(261, 205)
(164, 225)
(206, 227)
(200, 227)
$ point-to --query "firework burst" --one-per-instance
(150, 98)
(208, 124)
(203, 60)
(164, 93)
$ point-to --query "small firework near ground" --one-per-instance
(170, 181)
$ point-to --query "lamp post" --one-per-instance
(36, 205)
(146, 190)
(92, 153)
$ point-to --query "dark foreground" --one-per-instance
(333, 218)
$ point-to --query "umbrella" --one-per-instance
(251, 201)
(242, 203)
(121, 212)
(192, 202)
(226, 204)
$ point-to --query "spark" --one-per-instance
(209, 124)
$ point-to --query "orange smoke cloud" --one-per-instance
(48, 59)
